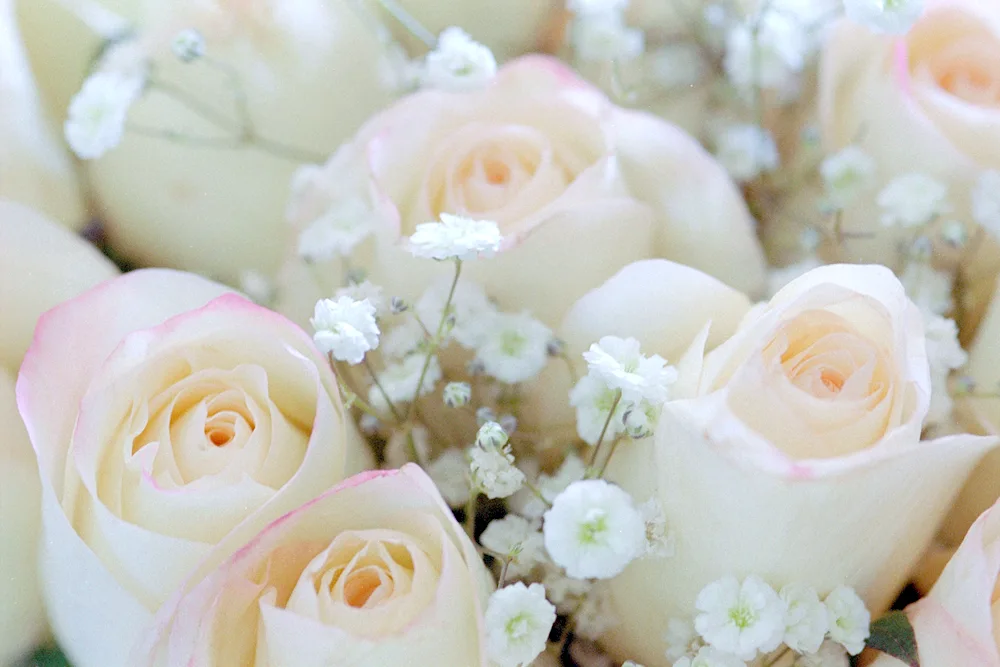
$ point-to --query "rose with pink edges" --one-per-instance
(172, 420)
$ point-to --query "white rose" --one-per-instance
(40, 265)
(788, 443)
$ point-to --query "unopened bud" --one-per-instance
(188, 45)
(457, 394)
(491, 435)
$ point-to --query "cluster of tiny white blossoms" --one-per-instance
(746, 151)
(97, 114)
(345, 328)
(338, 231)
(741, 621)
(599, 31)
(492, 464)
(518, 621)
(913, 200)
(455, 237)
(890, 16)
(458, 63)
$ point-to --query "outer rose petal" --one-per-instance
(702, 219)
(662, 304)
(954, 624)
(22, 616)
(787, 521)
(214, 617)
(34, 166)
(40, 265)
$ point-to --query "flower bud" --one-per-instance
(457, 394)
(491, 435)
(188, 45)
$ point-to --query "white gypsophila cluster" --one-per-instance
(659, 541)
(620, 364)
(564, 592)
(518, 620)
(805, 618)
(457, 394)
(596, 7)
(517, 539)
(188, 45)
(366, 290)
(676, 65)
(258, 287)
(336, 233)
(469, 308)
(527, 504)
(710, 657)
(767, 51)
(913, 200)
(606, 38)
(929, 288)
(682, 639)
(830, 654)
(640, 419)
(986, 202)
(450, 473)
(595, 614)
(593, 530)
(491, 463)
(593, 399)
(944, 355)
(740, 618)
(458, 63)
(847, 174)
(455, 237)
(512, 347)
(345, 328)
(399, 73)
(746, 151)
(780, 277)
(399, 381)
(848, 619)
(889, 16)
(96, 119)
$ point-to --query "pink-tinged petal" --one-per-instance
(701, 218)
(41, 264)
(74, 339)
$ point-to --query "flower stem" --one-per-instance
(381, 389)
(592, 471)
(409, 22)
(503, 572)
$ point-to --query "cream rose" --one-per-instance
(172, 421)
(784, 446)
(374, 572)
(35, 168)
(958, 623)
(218, 211)
(926, 102)
(40, 265)
(579, 188)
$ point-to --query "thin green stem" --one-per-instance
(503, 571)
(591, 467)
(381, 389)
(409, 22)
(607, 459)
(194, 104)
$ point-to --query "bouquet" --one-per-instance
(544, 332)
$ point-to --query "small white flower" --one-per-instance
(450, 473)
(593, 530)
(459, 63)
(847, 175)
(773, 59)
(469, 306)
(927, 287)
(746, 151)
(848, 618)
(257, 286)
(347, 222)
(890, 16)
(986, 202)
(188, 45)
(593, 399)
(457, 394)
(400, 380)
(565, 592)
(518, 620)
(366, 290)
(640, 419)
(944, 355)
(805, 618)
(912, 200)
(345, 328)
(596, 614)
(778, 278)
(517, 538)
(954, 234)
(830, 654)
(606, 38)
(659, 542)
(455, 237)
(631, 663)
(493, 472)
(96, 120)
(528, 504)
(491, 435)
(676, 66)
(513, 348)
(620, 364)
(597, 7)
(708, 656)
(741, 618)
(681, 639)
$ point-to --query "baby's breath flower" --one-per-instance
(402, 340)
(830, 654)
(257, 286)
(528, 504)
(470, 308)
(639, 419)
(459, 63)
(620, 364)
(400, 380)
(518, 539)
(606, 38)
(677, 66)
(847, 174)
(746, 151)
(929, 288)
(455, 237)
(681, 639)
(944, 355)
(805, 618)
(564, 592)
(493, 472)
(593, 530)
(740, 618)
(188, 45)
(890, 16)
(491, 435)
(596, 7)
(450, 473)
(659, 542)
(766, 51)
(912, 200)
(596, 614)
(345, 328)
(848, 618)
(593, 400)
(708, 656)
(457, 394)
(518, 620)
(513, 348)
(365, 290)
(96, 120)
(348, 222)
(986, 202)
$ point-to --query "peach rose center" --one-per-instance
(959, 56)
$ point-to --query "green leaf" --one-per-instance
(893, 635)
